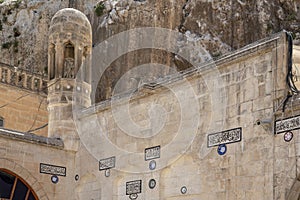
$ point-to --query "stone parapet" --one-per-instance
(22, 78)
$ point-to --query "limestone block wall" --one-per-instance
(24, 157)
(238, 91)
(286, 167)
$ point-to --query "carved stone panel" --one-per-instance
(224, 137)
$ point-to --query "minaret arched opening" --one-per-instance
(51, 64)
(69, 61)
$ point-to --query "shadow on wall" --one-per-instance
(294, 193)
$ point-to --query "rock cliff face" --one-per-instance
(218, 25)
(240, 22)
(24, 26)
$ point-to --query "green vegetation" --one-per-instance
(216, 54)
(14, 44)
(16, 32)
(293, 35)
(6, 45)
(99, 9)
(4, 19)
(17, 3)
(8, 12)
(291, 17)
(270, 27)
(1, 1)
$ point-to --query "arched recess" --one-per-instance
(51, 61)
(69, 61)
(25, 176)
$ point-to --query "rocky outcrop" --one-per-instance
(219, 26)
(240, 22)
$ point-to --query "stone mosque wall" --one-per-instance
(222, 130)
(241, 94)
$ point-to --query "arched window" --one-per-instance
(13, 187)
(69, 51)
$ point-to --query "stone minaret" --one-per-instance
(70, 43)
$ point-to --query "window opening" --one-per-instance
(13, 187)
(1, 122)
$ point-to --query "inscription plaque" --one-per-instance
(224, 137)
(288, 124)
(52, 169)
(133, 187)
(152, 153)
(107, 163)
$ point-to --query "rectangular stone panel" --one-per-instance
(107, 163)
(134, 187)
(224, 137)
(152, 153)
(53, 169)
(288, 124)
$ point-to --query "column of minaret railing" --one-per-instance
(22, 78)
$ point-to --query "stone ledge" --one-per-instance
(31, 138)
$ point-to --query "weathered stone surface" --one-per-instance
(68, 73)
(240, 90)
(259, 166)
(220, 26)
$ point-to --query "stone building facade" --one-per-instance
(227, 129)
